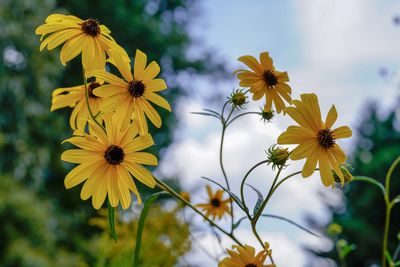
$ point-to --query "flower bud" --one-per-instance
(346, 175)
(267, 115)
(277, 156)
(237, 99)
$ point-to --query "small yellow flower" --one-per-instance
(130, 97)
(264, 80)
(88, 37)
(245, 257)
(316, 140)
(334, 229)
(106, 162)
(75, 97)
(216, 206)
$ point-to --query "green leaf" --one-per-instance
(207, 114)
(142, 218)
(233, 196)
(259, 200)
(236, 224)
(211, 111)
(291, 222)
(111, 221)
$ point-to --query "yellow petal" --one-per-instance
(158, 100)
(151, 113)
(311, 163)
(338, 153)
(266, 60)
(123, 66)
(252, 63)
(80, 156)
(156, 85)
(140, 173)
(152, 70)
(140, 65)
(331, 117)
(110, 78)
(324, 169)
(142, 158)
(342, 132)
(304, 150)
(139, 143)
(79, 174)
(140, 118)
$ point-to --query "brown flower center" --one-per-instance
(270, 78)
(91, 87)
(251, 265)
(91, 27)
(114, 155)
(215, 202)
(136, 88)
(325, 138)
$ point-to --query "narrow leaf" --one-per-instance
(233, 196)
(211, 111)
(206, 114)
(236, 224)
(259, 200)
(289, 221)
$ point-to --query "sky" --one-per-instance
(332, 48)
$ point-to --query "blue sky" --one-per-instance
(332, 48)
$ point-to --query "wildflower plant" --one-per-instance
(109, 119)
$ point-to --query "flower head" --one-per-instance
(264, 80)
(88, 37)
(316, 139)
(130, 97)
(245, 257)
(237, 99)
(277, 156)
(216, 207)
(107, 161)
(75, 98)
(267, 115)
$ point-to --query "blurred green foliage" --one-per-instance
(43, 224)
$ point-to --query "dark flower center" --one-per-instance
(325, 138)
(251, 265)
(136, 88)
(270, 78)
(114, 155)
(91, 27)
(215, 202)
(91, 87)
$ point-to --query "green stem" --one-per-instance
(111, 221)
(243, 182)
(221, 148)
(242, 114)
(371, 181)
(171, 191)
(93, 117)
(389, 206)
(142, 218)
(259, 212)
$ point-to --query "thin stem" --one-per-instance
(259, 212)
(88, 104)
(386, 234)
(388, 209)
(168, 189)
(242, 114)
(389, 175)
(244, 180)
(221, 148)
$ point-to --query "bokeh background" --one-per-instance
(345, 51)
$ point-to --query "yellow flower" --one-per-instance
(130, 97)
(216, 206)
(245, 257)
(75, 97)
(86, 36)
(316, 139)
(264, 80)
(106, 162)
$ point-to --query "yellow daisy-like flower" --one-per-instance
(130, 97)
(86, 36)
(75, 97)
(245, 257)
(107, 159)
(216, 206)
(264, 80)
(316, 140)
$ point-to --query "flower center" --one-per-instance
(215, 202)
(325, 138)
(114, 155)
(136, 88)
(270, 78)
(91, 27)
(250, 265)
(91, 87)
